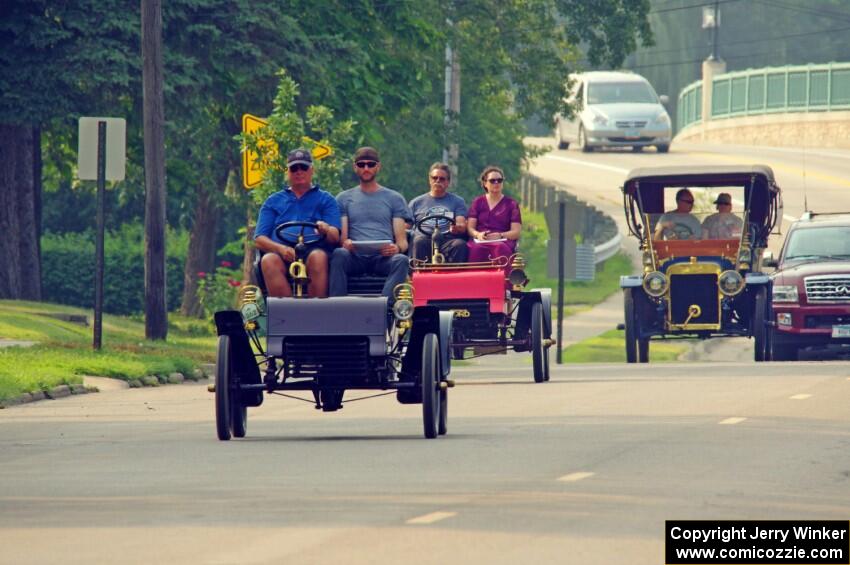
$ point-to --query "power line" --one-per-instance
(663, 10)
(805, 10)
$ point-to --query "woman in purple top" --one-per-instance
(493, 222)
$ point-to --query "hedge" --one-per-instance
(68, 264)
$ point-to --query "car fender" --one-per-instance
(546, 299)
(428, 319)
(631, 281)
(446, 319)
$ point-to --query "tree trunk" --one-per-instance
(37, 166)
(201, 254)
(156, 314)
(20, 275)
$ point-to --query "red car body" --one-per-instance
(483, 284)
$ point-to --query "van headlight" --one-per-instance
(662, 119)
(655, 283)
(730, 283)
(785, 293)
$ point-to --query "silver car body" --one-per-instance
(614, 109)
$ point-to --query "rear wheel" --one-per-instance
(538, 351)
(662, 148)
(223, 373)
(760, 332)
(430, 383)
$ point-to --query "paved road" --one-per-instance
(813, 179)
(584, 469)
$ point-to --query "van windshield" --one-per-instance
(620, 93)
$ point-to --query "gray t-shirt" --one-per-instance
(370, 214)
(449, 205)
(678, 225)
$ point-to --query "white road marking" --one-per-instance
(431, 518)
(800, 396)
(731, 421)
(611, 168)
(573, 477)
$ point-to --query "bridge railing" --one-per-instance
(805, 88)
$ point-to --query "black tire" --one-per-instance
(538, 351)
(643, 350)
(630, 322)
(223, 372)
(662, 148)
(582, 141)
(444, 412)
(761, 348)
(430, 381)
(238, 419)
(546, 364)
(781, 351)
(637, 148)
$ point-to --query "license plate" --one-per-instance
(632, 134)
(840, 331)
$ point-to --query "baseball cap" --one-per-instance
(723, 198)
(364, 153)
(299, 157)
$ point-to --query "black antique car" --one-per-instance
(698, 281)
(329, 346)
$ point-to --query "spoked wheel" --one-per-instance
(539, 353)
(546, 363)
(223, 373)
(238, 417)
(430, 383)
(444, 411)
(637, 349)
(761, 347)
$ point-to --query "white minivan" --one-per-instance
(614, 109)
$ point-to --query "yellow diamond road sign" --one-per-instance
(253, 167)
(320, 150)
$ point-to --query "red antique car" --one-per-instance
(493, 310)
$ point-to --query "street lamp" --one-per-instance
(711, 20)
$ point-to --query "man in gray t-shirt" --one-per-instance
(440, 202)
(370, 213)
(679, 223)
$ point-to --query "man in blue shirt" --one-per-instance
(305, 202)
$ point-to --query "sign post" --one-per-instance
(562, 219)
(101, 155)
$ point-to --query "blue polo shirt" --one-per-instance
(283, 206)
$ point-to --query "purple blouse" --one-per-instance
(499, 218)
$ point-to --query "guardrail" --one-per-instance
(805, 88)
(601, 230)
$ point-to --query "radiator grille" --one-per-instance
(694, 289)
(833, 288)
(335, 360)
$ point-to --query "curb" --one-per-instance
(63, 391)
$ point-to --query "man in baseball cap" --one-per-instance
(301, 201)
(724, 224)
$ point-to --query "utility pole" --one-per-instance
(156, 314)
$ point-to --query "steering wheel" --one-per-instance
(280, 231)
(443, 224)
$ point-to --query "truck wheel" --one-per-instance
(430, 383)
(223, 372)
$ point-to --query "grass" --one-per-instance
(609, 348)
(533, 247)
(63, 353)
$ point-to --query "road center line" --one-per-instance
(573, 477)
(800, 396)
(611, 168)
(431, 518)
(731, 421)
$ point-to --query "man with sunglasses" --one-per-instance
(679, 223)
(301, 201)
(440, 202)
(370, 213)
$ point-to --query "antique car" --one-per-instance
(329, 346)
(697, 284)
(811, 286)
(492, 312)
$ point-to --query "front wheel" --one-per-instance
(223, 375)
(760, 331)
(538, 351)
(662, 148)
(430, 384)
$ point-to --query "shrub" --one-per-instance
(68, 262)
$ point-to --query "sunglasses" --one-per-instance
(366, 164)
(686, 201)
(495, 181)
(299, 167)
(439, 179)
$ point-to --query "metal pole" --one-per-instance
(562, 213)
(98, 269)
